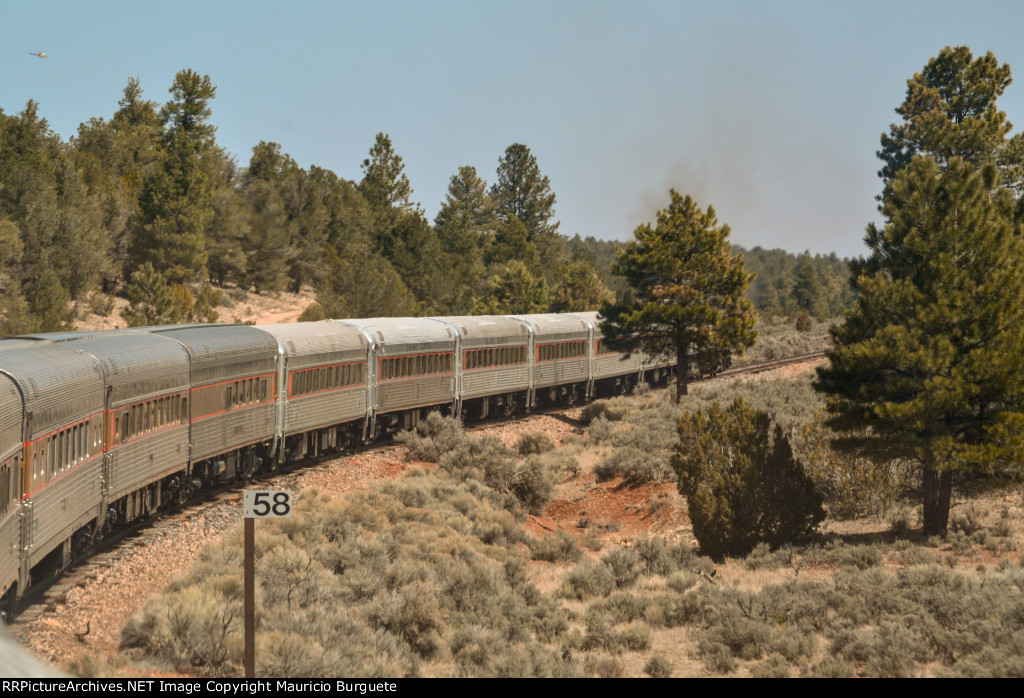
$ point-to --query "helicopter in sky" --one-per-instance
(40, 55)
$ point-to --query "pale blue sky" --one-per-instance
(770, 111)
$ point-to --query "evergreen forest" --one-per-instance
(145, 205)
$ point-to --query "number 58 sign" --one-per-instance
(265, 504)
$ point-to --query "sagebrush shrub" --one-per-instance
(586, 580)
(433, 437)
(555, 548)
(534, 442)
(658, 667)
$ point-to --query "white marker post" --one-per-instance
(257, 504)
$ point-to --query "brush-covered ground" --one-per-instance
(569, 552)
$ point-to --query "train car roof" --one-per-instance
(407, 332)
(487, 326)
(58, 383)
(554, 323)
(324, 338)
(138, 364)
(225, 352)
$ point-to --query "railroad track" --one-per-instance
(761, 366)
(47, 593)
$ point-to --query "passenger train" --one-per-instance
(100, 429)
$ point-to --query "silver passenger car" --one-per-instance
(322, 386)
(62, 436)
(614, 371)
(561, 357)
(412, 365)
(10, 485)
(493, 363)
(233, 394)
(147, 391)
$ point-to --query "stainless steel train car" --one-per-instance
(101, 428)
(562, 357)
(493, 364)
(322, 393)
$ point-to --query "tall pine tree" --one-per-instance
(689, 291)
(929, 364)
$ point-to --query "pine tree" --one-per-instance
(929, 365)
(950, 111)
(151, 299)
(176, 203)
(931, 357)
(385, 186)
(514, 290)
(522, 192)
(270, 187)
(689, 291)
(464, 226)
(578, 288)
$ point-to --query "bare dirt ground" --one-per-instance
(238, 306)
